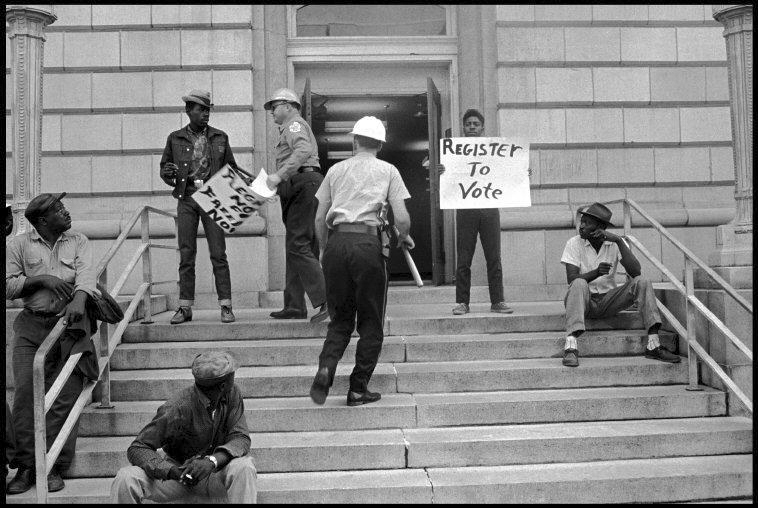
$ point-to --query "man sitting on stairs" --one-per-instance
(591, 260)
(205, 440)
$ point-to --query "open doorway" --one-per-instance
(405, 117)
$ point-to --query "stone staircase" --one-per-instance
(476, 408)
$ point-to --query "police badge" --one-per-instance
(295, 127)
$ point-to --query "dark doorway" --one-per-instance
(406, 148)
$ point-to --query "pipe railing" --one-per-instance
(43, 401)
(692, 304)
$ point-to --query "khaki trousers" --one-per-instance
(581, 304)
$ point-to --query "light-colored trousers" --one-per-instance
(580, 303)
(236, 483)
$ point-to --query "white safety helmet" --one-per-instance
(371, 127)
(283, 94)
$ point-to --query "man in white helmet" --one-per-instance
(349, 203)
(296, 179)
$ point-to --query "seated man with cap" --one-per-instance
(591, 259)
(51, 269)
(205, 440)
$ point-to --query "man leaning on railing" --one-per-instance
(51, 268)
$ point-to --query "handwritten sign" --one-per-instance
(228, 200)
(484, 173)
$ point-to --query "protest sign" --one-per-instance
(228, 200)
(484, 173)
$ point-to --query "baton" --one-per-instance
(409, 260)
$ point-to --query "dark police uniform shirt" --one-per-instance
(295, 148)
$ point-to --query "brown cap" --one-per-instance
(41, 204)
(209, 368)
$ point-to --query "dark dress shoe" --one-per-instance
(357, 399)
(288, 314)
(227, 316)
(320, 386)
(182, 314)
(571, 357)
(662, 354)
(54, 481)
(23, 481)
(322, 314)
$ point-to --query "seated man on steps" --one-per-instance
(203, 432)
(591, 260)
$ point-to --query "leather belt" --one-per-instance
(356, 228)
(41, 313)
(306, 169)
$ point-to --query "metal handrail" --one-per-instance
(42, 402)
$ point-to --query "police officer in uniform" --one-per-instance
(297, 178)
(350, 201)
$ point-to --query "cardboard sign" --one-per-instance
(484, 173)
(228, 200)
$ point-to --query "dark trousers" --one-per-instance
(303, 271)
(29, 333)
(189, 214)
(356, 284)
(486, 223)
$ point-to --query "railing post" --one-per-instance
(40, 434)
(147, 271)
(105, 377)
(627, 218)
(689, 285)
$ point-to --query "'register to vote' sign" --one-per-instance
(484, 173)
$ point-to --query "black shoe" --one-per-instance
(182, 314)
(320, 386)
(322, 314)
(23, 481)
(571, 357)
(54, 481)
(288, 314)
(357, 399)
(227, 316)
(662, 354)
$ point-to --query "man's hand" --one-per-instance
(175, 473)
(406, 242)
(604, 235)
(603, 269)
(168, 173)
(273, 180)
(74, 311)
(59, 287)
(198, 469)
(440, 169)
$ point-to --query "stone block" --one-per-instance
(9, 173)
(534, 165)
(530, 44)
(91, 49)
(675, 12)
(537, 125)
(550, 196)
(659, 197)
(9, 90)
(121, 173)
(673, 84)
(555, 242)
(217, 47)
(579, 196)
(594, 125)
(625, 165)
(648, 44)
(122, 90)
(51, 133)
(629, 84)
(520, 265)
(568, 166)
(66, 174)
(716, 84)
(706, 124)
(682, 164)
(514, 12)
(91, 132)
(67, 91)
(231, 14)
(245, 161)
(239, 127)
(708, 196)
(156, 184)
(53, 51)
(170, 86)
(615, 12)
(570, 12)
(72, 15)
(700, 240)
(516, 84)
(564, 85)
(150, 49)
(233, 88)
(149, 130)
(594, 44)
(651, 125)
(722, 163)
(695, 44)
(651, 239)
(248, 262)
(120, 15)
(167, 15)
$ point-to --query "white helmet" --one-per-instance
(371, 127)
(283, 94)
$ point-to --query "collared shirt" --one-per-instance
(184, 427)
(29, 255)
(295, 148)
(200, 165)
(581, 253)
(356, 189)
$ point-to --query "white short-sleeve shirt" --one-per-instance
(581, 253)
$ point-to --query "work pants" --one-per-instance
(189, 214)
(356, 285)
(486, 223)
(29, 332)
(235, 482)
(580, 303)
(303, 271)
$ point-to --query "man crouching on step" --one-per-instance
(591, 260)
